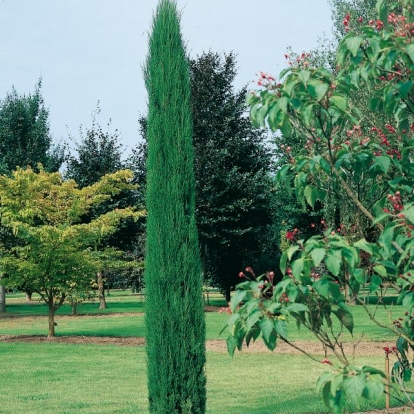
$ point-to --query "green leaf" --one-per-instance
(317, 255)
(351, 256)
(297, 307)
(286, 128)
(251, 99)
(335, 403)
(307, 114)
(326, 167)
(373, 390)
(364, 245)
(405, 87)
(339, 101)
(317, 89)
(253, 334)
(277, 113)
(232, 344)
(310, 194)
(375, 283)
(254, 117)
(326, 288)
(383, 163)
(268, 333)
(408, 301)
(386, 239)
(346, 318)
(380, 218)
(237, 298)
(402, 346)
(323, 379)
(285, 72)
(281, 328)
(359, 276)
(409, 214)
(374, 103)
(336, 383)
(354, 387)
(370, 370)
(297, 267)
(407, 375)
(380, 269)
(281, 174)
(326, 394)
(304, 76)
(290, 83)
(410, 51)
(333, 261)
(253, 318)
(353, 43)
(291, 251)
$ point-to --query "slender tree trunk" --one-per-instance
(28, 296)
(52, 310)
(101, 290)
(349, 296)
(227, 294)
(2, 299)
(73, 305)
(203, 250)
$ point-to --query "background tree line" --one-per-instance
(242, 216)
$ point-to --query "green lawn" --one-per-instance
(121, 302)
(61, 378)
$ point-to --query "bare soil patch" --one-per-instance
(94, 340)
(389, 411)
(30, 318)
(311, 347)
(216, 345)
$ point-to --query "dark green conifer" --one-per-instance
(174, 313)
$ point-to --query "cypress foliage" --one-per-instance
(174, 312)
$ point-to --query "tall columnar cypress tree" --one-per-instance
(174, 313)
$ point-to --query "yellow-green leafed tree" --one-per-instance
(53, 254)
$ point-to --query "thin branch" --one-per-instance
(292, 344)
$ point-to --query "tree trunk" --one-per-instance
(52, 310)
(228, 294)
(349, 296)
(28, 296)
(101, 291)
(73, 305)
(2, 299)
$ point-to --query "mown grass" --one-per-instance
(119, 301)
(67, 378)
(123, 302)
(62, 378)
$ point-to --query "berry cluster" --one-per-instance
(402, 27)
(396, 203)
(345, 22)
(283, 298)
(225, 310)
(389, 350)
(301, 61)
(291, 235)
(265, 79)
(378, 24)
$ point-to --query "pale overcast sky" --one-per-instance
(90, 50)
